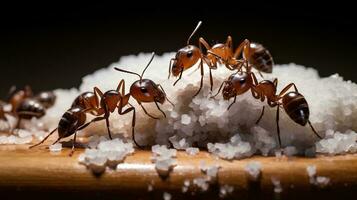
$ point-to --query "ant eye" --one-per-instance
(143, 90)
(242, 81)
(189, 54)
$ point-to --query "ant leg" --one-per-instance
(229, 43)
(313, 130)
(203, 42)
(44, 139)
(158, 107)
(173, 105)
(132, 122)
(88, 123)
(210, 78)
(201, 83)
(275, 82)
(97, 93)
(286, 89)
(235, 97)
(220, 87)
(121, 86)
(277, 125)
(179, 77)
(146, 112)
(108, 128)
(240, 48)
(261, 115)
(73, 144)
(170, 65)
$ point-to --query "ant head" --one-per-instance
(46, 98)
(237, 83)
(110, 100)
(147, 91)
(185, 58)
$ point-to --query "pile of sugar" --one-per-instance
(104, 152)
(164, 159)
(205, 122)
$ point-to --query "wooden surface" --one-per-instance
(38, 172)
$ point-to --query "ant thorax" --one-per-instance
(146, 90)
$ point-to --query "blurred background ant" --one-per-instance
(294, 103)
(26, 105)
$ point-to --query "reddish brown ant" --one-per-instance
(146, 91)
(294, 103)
(88, 102)
(188, 56)
(143, 90)
(25, 105)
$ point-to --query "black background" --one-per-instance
(53, 45)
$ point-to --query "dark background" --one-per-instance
(53, 45)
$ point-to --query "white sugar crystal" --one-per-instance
(167, 196)
(225, 190)
(202, 183)
(186, 185)
(253, 168)
(163, 158)
(55, 147)
(202, 120)
(311, 170)
(107, 152)
(322, 181)
(150, 188)
(185, 119)
(192, 151)
(277, 186)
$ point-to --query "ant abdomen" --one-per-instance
(46, 98)
(260, 58)
(295, 105)
(30, 108)
(70, 121)
(79, 101)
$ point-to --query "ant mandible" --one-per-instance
(294, 103)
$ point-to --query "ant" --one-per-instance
(74, 119)
(188, 56)
(294, 103)
(25, 105)
(146, 91)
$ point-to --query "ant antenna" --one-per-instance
(129, 72)
(140, 76)
(194, 31)
(152, 57)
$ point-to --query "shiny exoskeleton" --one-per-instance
(29, 108)
(259, 57)
(145, 91)
(294, 103)
(71, 121)
(46, 98)
(189, 55)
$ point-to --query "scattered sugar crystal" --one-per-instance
(167, 196)
(311, 170)
(225, 190)
(339, 143)
(202, 183)
(55, 147)
(253, 168)
(150, 188)
(185, 119)
(192, 151)
(290, 151)
(322, 181)
(277, 186)
(163, 158)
